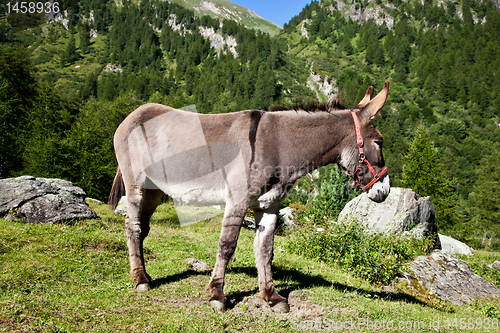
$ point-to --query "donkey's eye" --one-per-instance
(378, 143)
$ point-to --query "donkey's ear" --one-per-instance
(367, 98)
(372, 109)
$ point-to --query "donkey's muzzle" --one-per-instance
(380, 190)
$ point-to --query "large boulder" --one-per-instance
(451, 245)
(42, 200)
(403, 213)
(449, 278)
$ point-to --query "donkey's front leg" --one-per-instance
(231, 225)
(266, 221)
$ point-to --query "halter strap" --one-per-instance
(362, 158)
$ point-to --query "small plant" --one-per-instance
(16, 212)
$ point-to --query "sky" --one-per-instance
(276, 11)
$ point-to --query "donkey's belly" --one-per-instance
(206, 190)
(204, 187)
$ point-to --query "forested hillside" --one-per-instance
(66, 85)
(443, 60)
(67, 81)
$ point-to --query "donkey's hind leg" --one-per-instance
(266, 221)
(231, 225)
(141, 204)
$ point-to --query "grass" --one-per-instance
(480, 262)
(74, 278)
(47, 53)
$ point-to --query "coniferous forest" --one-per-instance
(66, 85)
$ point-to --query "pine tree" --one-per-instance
(84, 38)
(4, 25)
(46, 124)
(486, 196)
(70, 54)
(375, 53)
(265, 88)
(225, 103)
(422, 172)
(90, 87)
(18, 92)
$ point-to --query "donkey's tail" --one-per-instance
(117, 190)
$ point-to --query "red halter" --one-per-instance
(362, 159)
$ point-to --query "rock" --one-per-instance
(198, 265)
(249, 223)
(42, 200)
(95, 201)
(451, 245)
(121, 208)
(403, 213)
(303, 28)
(319, 85)
(449, 278)
(497, 3)
(495, 264)
(113, 68)
(375, 12)
(286, 215)
(218, 41)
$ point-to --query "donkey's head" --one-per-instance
(362, 157)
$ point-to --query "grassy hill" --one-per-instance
(74, 278)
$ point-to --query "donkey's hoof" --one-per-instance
(281, 307)
(143, 287)
(218, 305)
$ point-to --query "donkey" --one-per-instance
(246, 159)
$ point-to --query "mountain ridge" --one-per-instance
(224, 9)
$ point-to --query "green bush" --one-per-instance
(374, 257)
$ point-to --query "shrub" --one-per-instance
(376, 258)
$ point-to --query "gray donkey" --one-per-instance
(246, 159)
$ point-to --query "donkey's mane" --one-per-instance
(309, 106)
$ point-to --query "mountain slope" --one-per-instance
(223, 9)
(443, 61)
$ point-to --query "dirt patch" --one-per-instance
(181, 303)
(107, 245)
(300, 307)
(10, 325)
